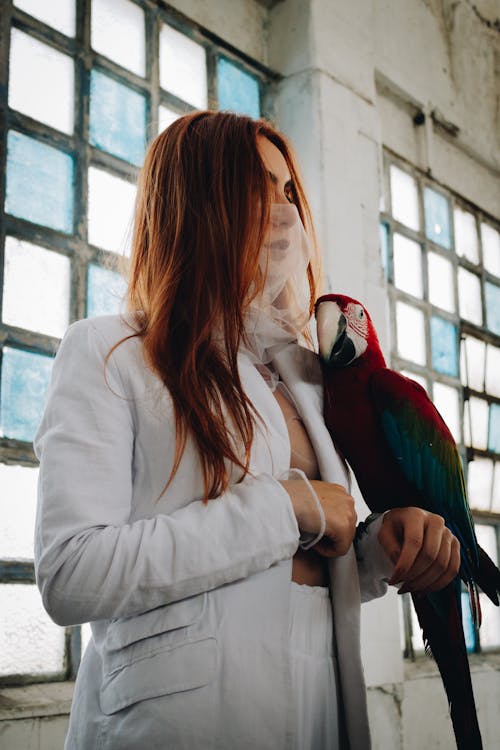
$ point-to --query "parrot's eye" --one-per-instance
(361, 314)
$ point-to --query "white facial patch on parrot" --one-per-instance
(357, 327)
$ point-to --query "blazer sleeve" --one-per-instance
(374, 565)
(91, 563)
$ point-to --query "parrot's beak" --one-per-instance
(336, 349)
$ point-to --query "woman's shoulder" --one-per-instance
(92, 338)
(109, 326)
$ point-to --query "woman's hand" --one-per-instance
(426, 554)
(338, 507)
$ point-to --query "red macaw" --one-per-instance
(403, 454)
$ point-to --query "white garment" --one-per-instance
(312, 668)
(188, 603)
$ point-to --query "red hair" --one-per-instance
(195, 250)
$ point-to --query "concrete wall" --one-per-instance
(355, 72)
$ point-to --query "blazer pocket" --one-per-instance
(161, 651)
(128, 630)
(182, 667)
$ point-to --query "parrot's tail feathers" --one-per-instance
(475, 604)
(428, 649)
(444, 638)
(487, 576)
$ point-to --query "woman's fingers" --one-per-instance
(433, 548)
(444, 570)
(429, 554)
(340, 515)
(337, 506)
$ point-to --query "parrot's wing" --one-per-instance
(426, 452)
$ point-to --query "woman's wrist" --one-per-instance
(307, 507)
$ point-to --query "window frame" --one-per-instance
(390, 226)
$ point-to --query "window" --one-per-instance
(90, 83)
(442, 261)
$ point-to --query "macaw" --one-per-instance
(403, 454)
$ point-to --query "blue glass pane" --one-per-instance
(437, 217)
(444, 346)
(384, 245)
(39, 183)
(25, 378)
(237, 90)
(468, 623)
(492, 307)
(105, 291)
(117, 118)
(494, 429)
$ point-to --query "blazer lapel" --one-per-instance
(300, 369)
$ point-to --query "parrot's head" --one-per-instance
(345, 331)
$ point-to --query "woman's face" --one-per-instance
(286, 252)
(277, 170)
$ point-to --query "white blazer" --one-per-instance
(188, 603)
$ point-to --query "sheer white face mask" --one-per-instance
(277, 315)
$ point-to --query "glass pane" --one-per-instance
(492, 292)
(472, 363)
(441, 291)
(468, 623)
(408, 265)
(166, 117)
(41, 81)
(495, 504)
(417, 378)
(25, 378)
(183, 67)
(477, 422)
(493, 370)
(446, 401)
(29, 267)
(117, 118)
(494, 428)
(444, 346)
(18, 490)
(237, 90)
(111, 207)
(384, 245)
(469, 296)
(60, 14)
(487, 539)
(479, 478)
(491, 248)
(105, 291)
(404, 197)
(437, 217)
(117, 32)
(29, 641)
(466, 235)
(39, 183)
(410, 333)
(489, 632)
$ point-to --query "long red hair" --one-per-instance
(201, 216)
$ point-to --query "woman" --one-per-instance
(222, 587)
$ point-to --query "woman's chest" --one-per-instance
(302, 455)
